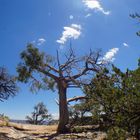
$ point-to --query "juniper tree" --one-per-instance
(46, 72)
(40, 115)
(115, 98)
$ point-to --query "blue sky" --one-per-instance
(51, 24)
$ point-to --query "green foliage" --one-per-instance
(7, 85)
(139, 62)
(78, 129)
(32, 59)
(50, 83)
(116, 133)
(115, 98)
(78, 113)
(34, 69)
(39, 115)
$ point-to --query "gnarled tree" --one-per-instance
(40, 115)
(61, 74)
(7, 85)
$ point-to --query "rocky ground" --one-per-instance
(15, 131)
(13, 134)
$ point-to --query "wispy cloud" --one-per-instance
(73, 31)
(88, 15)
(95, 5)
(71, 17)
(125, 44)
(110, 55)
(39, 41)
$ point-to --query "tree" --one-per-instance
(53, 74)
(39, 115)
(78, 113)
(7, 85)
(115, 98)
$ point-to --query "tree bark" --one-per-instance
(63, 109)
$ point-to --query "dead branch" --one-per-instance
(57, 102)
(48, 74)
(52, 68)
(73, 99)
(76, 98)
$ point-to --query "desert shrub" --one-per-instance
(116, 133)
(4, 120)
(78, 129)
(115, 98)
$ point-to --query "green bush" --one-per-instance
(116, 133)
(78, 129)
(115, 98)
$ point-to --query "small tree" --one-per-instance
(70, 72)
(7, 85)
(39, 115)
(78, 113)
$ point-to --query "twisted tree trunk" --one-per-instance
(63, 109)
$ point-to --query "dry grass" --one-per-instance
(34, 128)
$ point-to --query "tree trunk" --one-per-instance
(63, 110)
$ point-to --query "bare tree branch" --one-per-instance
(91, 64)
(76, 98)
(57, 102)
(70, 58)
(59, 66)
(48, 74)
(72, 99)
(51, 68)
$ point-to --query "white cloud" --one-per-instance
(95, 5)
(41, 41)
(125, 44)
(71, 17)
(73, 31)
(109, 56)
(88, 15)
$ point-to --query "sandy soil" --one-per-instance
(15, 131)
